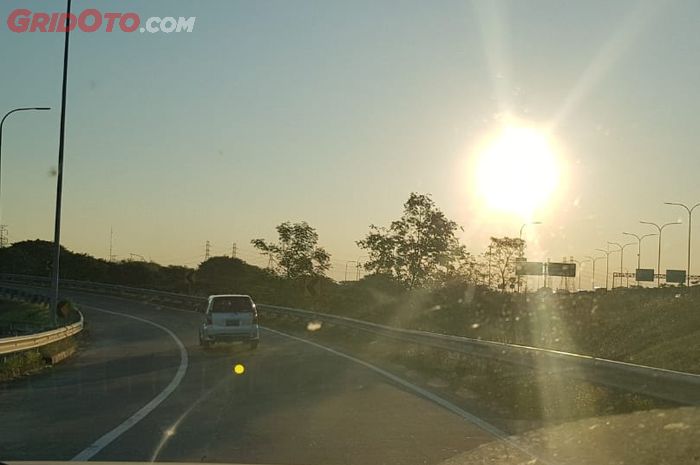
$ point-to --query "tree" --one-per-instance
(297, 253)
(419, 248)
(501, 256)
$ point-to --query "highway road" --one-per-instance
(141, 389)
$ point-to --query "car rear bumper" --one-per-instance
(213, 333)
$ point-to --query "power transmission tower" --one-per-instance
(563, 281)
(111, 244)
(207, 249)
(233, 250)
(571, 282)
(4, 242)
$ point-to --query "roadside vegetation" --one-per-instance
(420, 276)
(19, 318)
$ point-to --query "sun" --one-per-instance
(517, 171)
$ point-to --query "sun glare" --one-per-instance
(517, 171)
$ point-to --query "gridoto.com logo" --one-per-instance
(92, 20)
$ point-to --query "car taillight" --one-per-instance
(255, 318)
(209, 321)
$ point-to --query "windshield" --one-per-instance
(350, 232)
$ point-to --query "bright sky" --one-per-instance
(333, 112)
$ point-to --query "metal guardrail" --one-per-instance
(657, 382)
(35, 339)
(10, 345)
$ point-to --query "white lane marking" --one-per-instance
(106, 439)
(488, 427)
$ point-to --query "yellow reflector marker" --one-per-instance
(238, 369)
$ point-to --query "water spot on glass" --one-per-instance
(676, 426)
(314, 326)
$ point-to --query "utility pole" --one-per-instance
(233, 250)
(207, 249)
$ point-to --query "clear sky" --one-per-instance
(334, 112)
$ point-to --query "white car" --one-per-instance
(230, 318)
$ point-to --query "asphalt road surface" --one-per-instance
(142, 389)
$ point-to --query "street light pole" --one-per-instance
(690, 225)
(658, 259)
(2, 124)
(607, 264)
(59, 179)
(622, 257)
(592, 259)
(578, 265)
(639, 248)
(520, 236)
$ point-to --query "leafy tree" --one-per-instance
(297, 253)
(501, 256)
(419, 248)
(464, 269)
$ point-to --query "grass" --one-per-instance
(656, 327)
(19, 364)
(14, 312)
(21, 315)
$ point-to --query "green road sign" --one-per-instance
(644, 274)
(675, 276)
(566, 270)
(523, 268)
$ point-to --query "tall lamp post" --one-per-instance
(622, 257)
(690, 225)
(55, 269)
(607, 264)
(658, 258)
(593, 260)
(579, 269)
(2, 124)
(520, 236)
(639, 247)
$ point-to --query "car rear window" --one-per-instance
(232, 305)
